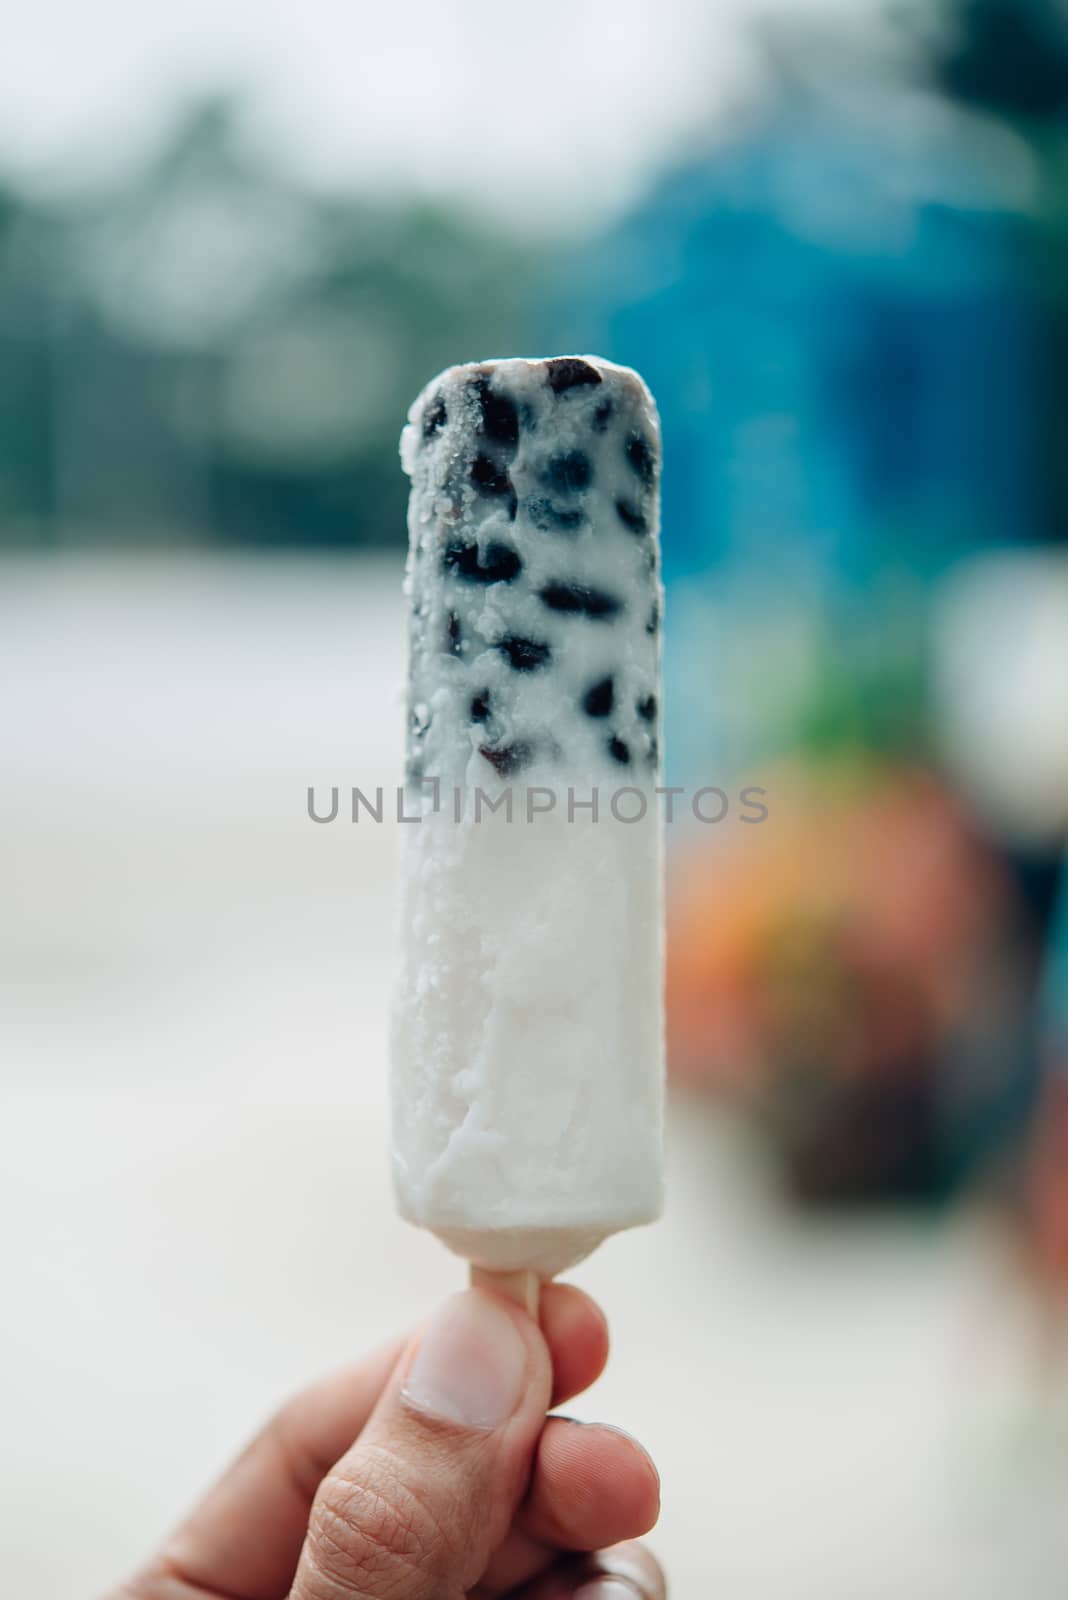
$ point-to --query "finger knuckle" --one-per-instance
(634, 1562)
(372, 1532)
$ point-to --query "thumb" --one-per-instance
(428, 1491)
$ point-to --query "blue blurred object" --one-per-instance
(837, 314)
(833, 312)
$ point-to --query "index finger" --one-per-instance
(244, 1538)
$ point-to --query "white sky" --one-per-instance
(554, 107)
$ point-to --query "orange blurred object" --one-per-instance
(820, 963)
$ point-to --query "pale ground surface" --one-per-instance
(193, 1171)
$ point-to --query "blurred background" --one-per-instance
(234, 243)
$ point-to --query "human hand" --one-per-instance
(430, 1472)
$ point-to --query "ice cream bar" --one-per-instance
(527, 1054)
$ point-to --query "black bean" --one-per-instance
(434, 417)
(631, 517)
(569, 473)
(549, 518)
(579, 597)
(455, 644)
(653, 625)
(499, 564)
(508, 759)
(640, 457)
(647, 708)
(619, 751)
(599, 700)
(524, 655)
(500, 418)
(489, 478)
(480, 706)
(568, 372)
(602, 415)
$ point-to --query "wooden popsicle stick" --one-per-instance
(522, 1287)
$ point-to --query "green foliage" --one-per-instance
(1009, 57)
(210, 351)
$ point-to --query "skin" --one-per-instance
(348, 1493)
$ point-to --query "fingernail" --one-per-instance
(471, 1365)
(608, 1589)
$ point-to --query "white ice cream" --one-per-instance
(527, 1041)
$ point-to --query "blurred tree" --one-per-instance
(1007, 56)
(26, 317)
(209, 350)
(1009, 59)
(315, 387)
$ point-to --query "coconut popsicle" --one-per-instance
(527, 1040)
